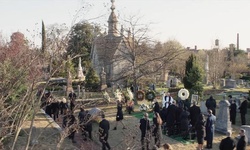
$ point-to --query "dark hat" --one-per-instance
(230, 96)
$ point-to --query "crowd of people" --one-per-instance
(171, 118)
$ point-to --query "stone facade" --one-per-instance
(223, 123)
(111, 50)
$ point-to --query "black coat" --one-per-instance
(227, 144)
(243, 107)
(156, 107)
(242, 143)
(171, 114)
(104, 129)
(194, 114)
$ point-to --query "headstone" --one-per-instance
(222, 82)
(168, 83)
(80, 74)
(230, 83)
(69, 84)
(247, 129)
(203, 107)
(83, 92)
(33, 138)
(240, 82)
(103, 79)
(174, 82)
(223, 123)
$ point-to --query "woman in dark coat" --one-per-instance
(119, 115)
(233, 108)
(200, 131)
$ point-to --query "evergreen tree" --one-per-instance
(92, 80)
(80, 42)
(193, 76)
(43, 38)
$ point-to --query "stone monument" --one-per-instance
(223, 123)
(103, 79)
(230, 83)
(203, 107)
(80, 74)
(69, 84)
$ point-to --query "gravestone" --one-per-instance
(174, 82)
(168, 84)
(69, 84)
(247, 129)
(78, 90)
(230, 83)
(203, 107)
(222, 82)
(103, 79)
(83, 92)
(240, 82)
(223, 124)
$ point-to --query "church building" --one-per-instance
(110, 51)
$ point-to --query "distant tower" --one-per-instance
(238, 41)
(112, 21)
(217, 43)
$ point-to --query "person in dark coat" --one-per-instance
(171, 118)
(163, 113)
(64, 106)
(88, 125)
(68, 122)
(104, 132)
(242, 143)
(227, 143)
(145, 129)
(184, 126)
(55, 108)
(210, 129)
(119, 115)
(72, 98)
(211, 104)
(194, 111)
(233, 108)
(156, 106)
(200, 130)
(243, 111)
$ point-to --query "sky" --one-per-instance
(191, 22)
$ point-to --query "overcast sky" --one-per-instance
(191, 22)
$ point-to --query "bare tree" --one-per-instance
(217, 65)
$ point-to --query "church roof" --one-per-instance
(107, 46)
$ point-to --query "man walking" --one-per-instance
(104, 133)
